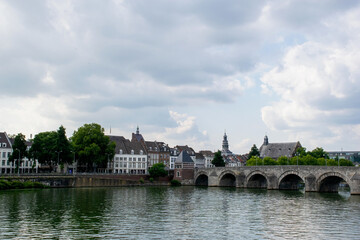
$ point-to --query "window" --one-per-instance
(143, 165)
(125, 165)
(3, 162)
(117, 158)
(178, 173)
(130, 159)
(8, 154)
(141, 152)
(125, 159)
(8, 163)
(143, 159)
(4, 154)
(132, 151)
(139, 159)
(121, 151)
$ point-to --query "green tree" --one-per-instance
(310, 160)
(269, 161)
(301, 152)
(44, 148)
(218, 160)
(283, 160)
(158, 170)
(92, 147)
(254, 152)
(19, 150)
(345, 162)
(63, 146)
(319, 153)
(332, 162)
(254, 161)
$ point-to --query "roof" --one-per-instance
(199, 156)
(154, 146)
(207, 153)
(4, 139)
(126, 145)
(276, 150)
(184, 157)
(186, 148)
(137, 136)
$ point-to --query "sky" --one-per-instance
(184, 71)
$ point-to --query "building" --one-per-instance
(189, 150)
(209, 156)
(353, 156)
(7, 167)
(174, 153)
(184, 167)
(225, 147)
(276, 150)
(199, 160)
(130, 157)
(158, 152)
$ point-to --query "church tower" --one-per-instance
(225, 146)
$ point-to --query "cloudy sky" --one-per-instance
(185, 70)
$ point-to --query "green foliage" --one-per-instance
(175, 183)
(283, 160)
(44, 148)
(269, 161)
(19, 185)
(63, 146)
(19, 150)
(92, 147)
(332, 162)
(141, 181)
(254, 152)
(301, 152)
(158, 170)
(218, 160)
(151, 179)
(344, 162)
(253, 161)
(319, 153)
(309, 160)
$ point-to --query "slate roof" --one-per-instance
(199, 156)
(186, 148)
(154, 146)
(276, 150)
(137, 137)
(184, 157)
(126, 145)
(4, 139)
(207, 153)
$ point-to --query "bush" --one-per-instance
(269, 161)
(175, 183)
(158, 170)
(19, 185)
(141, 181)
(151, 179)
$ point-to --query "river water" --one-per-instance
(177, 213)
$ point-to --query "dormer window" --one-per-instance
(141, 152)
(120, 151)
(4, 144)
(132, 151)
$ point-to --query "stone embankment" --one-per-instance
(91, 180)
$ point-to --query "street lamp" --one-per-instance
(18, 162)
(74, 168)
(58, 152)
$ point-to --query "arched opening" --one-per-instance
(332, 184)
(291, 182)
(202, 180)
(257, 181)
(228, 180)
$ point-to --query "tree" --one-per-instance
(319, 153)
(218, 160)
(254, 161)
(157, 170)
(92, 147)
(44, 147)
(301, 152)
(283, 160)
(19, 150)
(63, 146)
(254, 152)
(269, 161)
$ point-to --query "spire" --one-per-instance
(266, 140)
(137, 130)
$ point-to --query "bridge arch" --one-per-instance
(329, 182)
(202, 179)
(257, 179)
(290, 180)
(227, 179)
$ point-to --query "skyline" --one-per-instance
(185, 71)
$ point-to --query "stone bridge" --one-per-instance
(315, 178)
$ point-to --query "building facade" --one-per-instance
(276, 150)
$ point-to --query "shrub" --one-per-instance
(141, 180)
(151, 179)
(175, 183)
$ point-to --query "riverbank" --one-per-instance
(90, 180)
(5, 185)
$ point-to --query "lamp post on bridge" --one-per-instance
(18, 162)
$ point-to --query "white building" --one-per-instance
(130, 157)
(7, 167)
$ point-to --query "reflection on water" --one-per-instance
(177, 213)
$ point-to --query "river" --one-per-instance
(177, 213)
